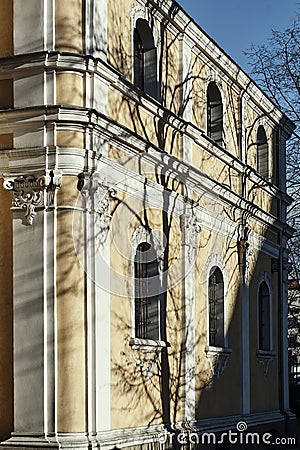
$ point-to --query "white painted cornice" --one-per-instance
(121, 137)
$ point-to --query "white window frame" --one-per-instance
(215, 78)
(264, 278)
(140, 235)
(216, 261)
(142, 12)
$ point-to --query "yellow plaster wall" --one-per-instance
(261, 198)
(154, 129)
(6, 29)
(216, 169)
(232, 122)
(136, 400)
(69, 89)
(170, 72)
(119, 35)
(70, 309)
(69, 26)
(6, 315)
(253, 120)
(132, 116)
(264, 394)
(199, 94)
(74, 139)
(210, 398)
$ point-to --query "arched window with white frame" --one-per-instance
(264, 317)
(147, 255)
(146, 294)
(145, 59)
(215, 114)
(216, 313)
(262, 153)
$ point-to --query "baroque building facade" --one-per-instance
(143, 230)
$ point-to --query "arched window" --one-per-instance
(262, 153)
(264, 325)
(216, 307)
(145, 59)
(146, 292)
(214, 114)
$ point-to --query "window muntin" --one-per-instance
(264, 324)
(214, 114)
(145, 59)
(262, 153)
(146, 296)
(216, 307)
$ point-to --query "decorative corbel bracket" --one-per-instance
(265, 357)
(146, 353)
(97, 194)
(190, 226)
(218, 359)
(32, 192)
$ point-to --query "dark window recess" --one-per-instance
(264, 317)
(262, 155)
(214, 114)
(146, 292)
(216, 308)
(145, 59)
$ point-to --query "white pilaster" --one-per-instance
(189, 229)
(245, 324)
(96, 28)
(186, 78)
(97, 266)
(34, 302)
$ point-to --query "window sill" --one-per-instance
(211, 350)
(265, 353)
(147, 344)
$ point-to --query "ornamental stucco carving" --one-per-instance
(190, 228)
(97, 194)
(31, 192)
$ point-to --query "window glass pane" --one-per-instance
(262, 153)
(214, 114)
(264, 317)
(146, 283)
(216, 308)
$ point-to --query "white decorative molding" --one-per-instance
(192, 229)
(28, 192)
(214, 77)
(265, 357)
(141, 234)
(218, 358)
(145, 13)
(215, 260)
(142, 12)
(97, 194)
(145, 353)
(264, 277)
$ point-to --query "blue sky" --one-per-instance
(236, 24)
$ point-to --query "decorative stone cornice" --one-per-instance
(32, 192)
